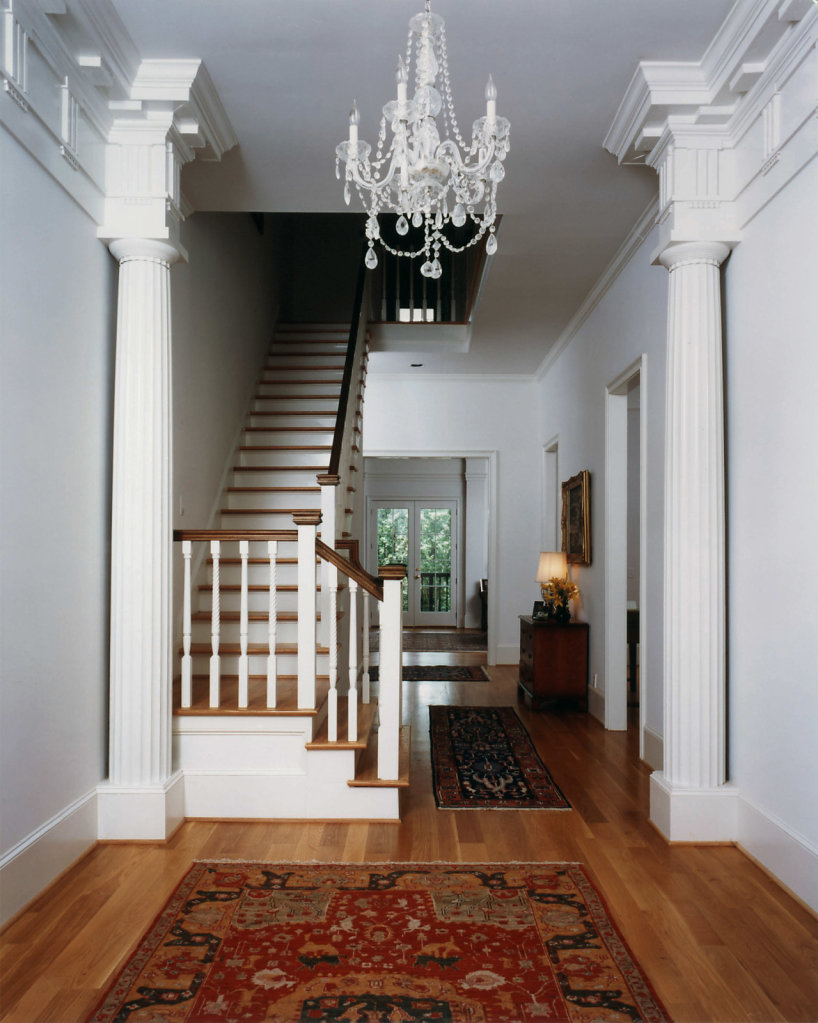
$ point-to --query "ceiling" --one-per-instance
(287, 74)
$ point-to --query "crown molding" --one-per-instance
(710, 91)
(626, 251)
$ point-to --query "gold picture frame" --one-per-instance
(576, 518)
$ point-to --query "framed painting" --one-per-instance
(576, 518)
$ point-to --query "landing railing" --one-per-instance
(259, 550)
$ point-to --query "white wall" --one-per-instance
(57, 330)
(772, 490)
(225, 302)
(629, 320)
(457, 416)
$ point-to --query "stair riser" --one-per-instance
(257, 575)
(230, 632)
(281, 459)
(286, 664)
(257, 600)
(264, 499)
(320, 383)
(279, 477)
(287, 419)
(257, 520)
(323, 405)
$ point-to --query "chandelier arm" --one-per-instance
(471, 170)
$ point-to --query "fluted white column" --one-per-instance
(689, 798)
(141, 799)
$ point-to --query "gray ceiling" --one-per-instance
(287, 73)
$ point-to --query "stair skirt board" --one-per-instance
(228, 774)
(237, 795)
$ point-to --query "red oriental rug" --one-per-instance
(382, 943)
(483, 758)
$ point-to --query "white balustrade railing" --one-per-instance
(349, 678)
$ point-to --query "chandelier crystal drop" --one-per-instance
(425, 181)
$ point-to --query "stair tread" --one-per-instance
(274, 490)
(286, 697)
(366, 719)
(296, 397)
(286, 447)
(253, 588)
(264, 511)
(366, 771)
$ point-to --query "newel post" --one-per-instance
(307, 523)
(389, 690)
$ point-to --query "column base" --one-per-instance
(693, 815)
(143, 813)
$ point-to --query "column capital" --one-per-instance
(693, 252)
(125, 249)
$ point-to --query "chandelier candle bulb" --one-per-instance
(491, 101)
(402, 78)
(354, 121)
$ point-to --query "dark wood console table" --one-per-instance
(553, 662)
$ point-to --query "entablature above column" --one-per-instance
(715, 129)
(123, 126)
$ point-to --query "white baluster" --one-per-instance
(352, 704)
(215, 626)
(244, 551)
(272, 626)
(187, 660)
(332, 698)
(307, 523)
(365, 676)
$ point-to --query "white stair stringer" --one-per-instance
(241, 764)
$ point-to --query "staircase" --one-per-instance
(253, 735)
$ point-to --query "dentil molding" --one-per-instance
(123, 126)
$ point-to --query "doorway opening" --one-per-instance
(425, 536)
(625, 549)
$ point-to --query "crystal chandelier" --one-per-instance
(425, 181)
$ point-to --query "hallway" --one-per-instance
(717, 938)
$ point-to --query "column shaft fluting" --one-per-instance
(694, 610)
(140, 739)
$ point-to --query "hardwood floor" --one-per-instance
(717, 937)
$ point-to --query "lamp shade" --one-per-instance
(552, 563)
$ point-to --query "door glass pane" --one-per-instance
(393, 541)
(435, 559)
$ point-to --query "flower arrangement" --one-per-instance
(556, 593)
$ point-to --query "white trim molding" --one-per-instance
(787, 855)
(112, 105)
(35, 861)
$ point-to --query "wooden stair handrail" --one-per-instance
(349, 364)
(285, 535)
(351, 567)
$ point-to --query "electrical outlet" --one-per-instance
(595, 680)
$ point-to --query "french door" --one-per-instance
(423, 536)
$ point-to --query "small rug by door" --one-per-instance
(438, 673)
(483, 758)
(459, 639)
(311, 943)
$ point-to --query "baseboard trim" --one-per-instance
(596, 704)
(41, 857)
(507, 654)
(654, 749)
(789, 858)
